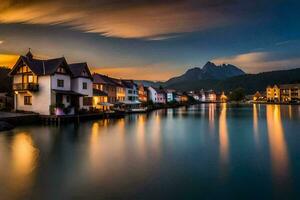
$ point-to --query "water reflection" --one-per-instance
(132, 157)
(140, 135)
(211, 116)
(278, 148)
(94, 146)
(24, 160)
(24, 154)
(156, 132)
(223, 135)
(255, 122)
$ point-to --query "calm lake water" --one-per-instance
(209, 151)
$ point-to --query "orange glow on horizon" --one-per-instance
(137, 73)
(8, 60)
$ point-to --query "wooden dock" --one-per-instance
(18, 118)
(58, 120)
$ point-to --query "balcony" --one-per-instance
(26, 86)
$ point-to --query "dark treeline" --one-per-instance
(5, 80)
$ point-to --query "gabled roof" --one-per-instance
(159, 91)
(103, 79)
(40, 67)
(99, 93)
(78, 68)
(128, 83)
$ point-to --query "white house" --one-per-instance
(156, 95)
(44, 86)
(131, 91)
(152, 94)
(82, 83)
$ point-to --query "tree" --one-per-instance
(5, 80)
(237, 95)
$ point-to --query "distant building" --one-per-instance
(181, 98)
(161, 96)
(273, 93)
(152, 94)
(107, 85)
(223, 98)
(257, 96)
(289, 93)
(210, 96)
(202, 96)
(283, 93)
(143, 93)
(170, 95)
(156, 95)
(131, 91)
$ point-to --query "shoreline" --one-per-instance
(21, 119)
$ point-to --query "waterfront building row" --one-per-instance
(55, 87)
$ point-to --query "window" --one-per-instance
(30, 79)
(87, 101)
(84, 85)
(84, 73)
(60, 83)
(27, 100)
(61, 70)
(129, 91)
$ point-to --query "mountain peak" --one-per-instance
(192, 70)
(209, 65)
(209, 71)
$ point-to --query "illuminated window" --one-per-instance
(27, 100)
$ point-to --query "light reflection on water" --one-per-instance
(164, 154)
(278, 148)
(223, 135)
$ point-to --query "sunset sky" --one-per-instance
(155, 39)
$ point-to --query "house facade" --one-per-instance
(161, 96)
(143, 93)
(283, 93)
(131, 91)
(152, 95)
(82, 83)
(107, 85)
(100, 100)
(171, 94)
(289, 93)
(120, 90)
(273, 93)
(44, 86)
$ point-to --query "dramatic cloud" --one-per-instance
(261, 61)
(125, 19)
